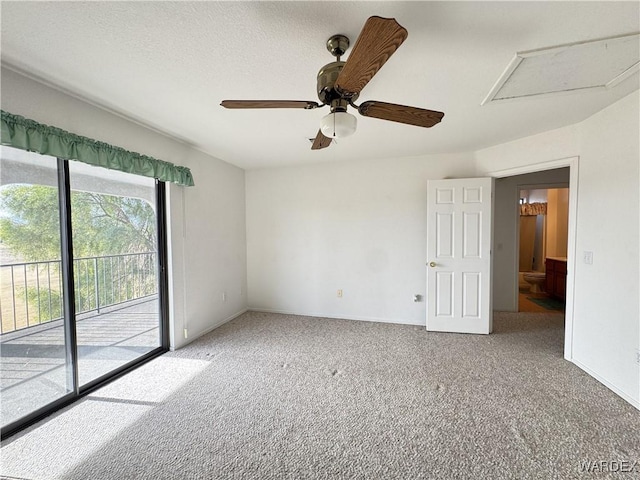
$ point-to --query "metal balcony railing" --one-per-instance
(31, 292)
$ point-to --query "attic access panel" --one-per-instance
(595, 64)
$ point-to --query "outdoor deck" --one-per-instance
(32, 361)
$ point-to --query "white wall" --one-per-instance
(607, 301)
(207, 250)
(506, 221)
(207, 235)
(606, 326)
(544, 147)
(358, 226)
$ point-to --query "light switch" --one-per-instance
(588, 257)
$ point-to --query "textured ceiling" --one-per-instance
(169, 64)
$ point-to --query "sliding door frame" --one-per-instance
(71, 348)
(163, 264)
(68, 287)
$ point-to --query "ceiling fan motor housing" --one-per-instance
(326, 80)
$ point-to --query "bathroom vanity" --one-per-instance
(556, 277)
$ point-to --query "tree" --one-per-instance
(126, 224)
(102, 224)
(29, 221)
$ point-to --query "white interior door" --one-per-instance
(459, 255)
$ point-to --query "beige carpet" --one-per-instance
(286, 397)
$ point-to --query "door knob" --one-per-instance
(432, 264)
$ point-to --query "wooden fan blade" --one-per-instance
(321, 141)
(380, 37)
(269, 104)
(400, 113)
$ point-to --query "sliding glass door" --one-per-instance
(115, 254)
(81, 292)
(34, 367)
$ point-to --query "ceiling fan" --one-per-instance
(340, 84)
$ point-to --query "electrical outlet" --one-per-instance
(339, 293)
(587, 257)
(638, 357)
(186, 334)
(224, 296)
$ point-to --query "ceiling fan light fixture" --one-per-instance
(338, 124)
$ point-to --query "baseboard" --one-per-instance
(609, 385)
(344, 317)
(209, 329)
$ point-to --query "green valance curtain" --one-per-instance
(20, 132)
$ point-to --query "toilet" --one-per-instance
(536, 280)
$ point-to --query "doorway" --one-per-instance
(542, 249)
(505, 251)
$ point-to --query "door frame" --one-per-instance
(573, 164)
